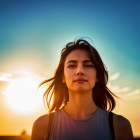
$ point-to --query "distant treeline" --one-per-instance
(26, 137)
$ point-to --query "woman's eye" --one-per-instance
(71, 66)
(88, 66)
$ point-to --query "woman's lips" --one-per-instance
(80, 81)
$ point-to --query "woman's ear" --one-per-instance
(63, 79)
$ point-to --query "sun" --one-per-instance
(22, 94)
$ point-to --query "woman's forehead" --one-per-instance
(78, 55)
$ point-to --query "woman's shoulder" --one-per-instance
(40, 126)
(42, 120)
(122, 128)
(120, 120)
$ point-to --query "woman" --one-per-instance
(81, 99)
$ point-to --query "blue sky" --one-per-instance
(35, 29)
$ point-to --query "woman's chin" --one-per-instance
(81, 90)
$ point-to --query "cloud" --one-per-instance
(135, 92)
(5, 77)
(130, 95)
(117, 89)
(6, 74)
(122, 92)
(114, 77)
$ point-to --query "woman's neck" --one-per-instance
(80, 105)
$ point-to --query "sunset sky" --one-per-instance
(32, 34)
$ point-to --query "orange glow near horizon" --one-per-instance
(21, 102)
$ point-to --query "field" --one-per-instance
(26, 137)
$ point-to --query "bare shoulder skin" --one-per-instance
(122, 128)
(39, 129)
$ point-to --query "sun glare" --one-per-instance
(22, 94)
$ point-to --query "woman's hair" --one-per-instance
(57, 92)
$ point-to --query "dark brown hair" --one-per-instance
(58, 91)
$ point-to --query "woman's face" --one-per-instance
(79, 72)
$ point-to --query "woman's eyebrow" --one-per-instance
(74, 61)
(85, 61)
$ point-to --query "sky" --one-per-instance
(32, 35)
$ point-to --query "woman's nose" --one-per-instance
(79, 70)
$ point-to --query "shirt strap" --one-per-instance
(110, 119)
